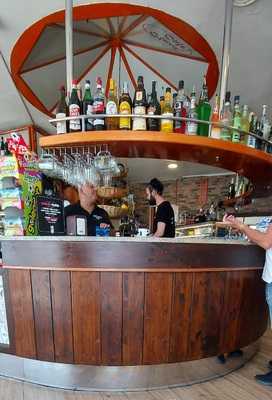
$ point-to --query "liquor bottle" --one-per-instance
(148, 99)
(237, 183)
(74, 109)
(169, 90)
(204, 110)
(139, 106)
(186, 100)
(174, 99)
(125, 107)
(269, 146)
(231, 191)
(79, 95)
(193, 94)
(112, 108)
(99, 106)
(61, 112)
(153, 108)
(167, 111)
(236, 122)
(265, 123)
(191, 127)
(245, 124)
(180, 109)
(251, 140)
(7, 152)
(241, 186)
(2, 147)
(259, 143)
(88, 106)
(212, 213)
(215, 129)
(162, 99)
(226, 119)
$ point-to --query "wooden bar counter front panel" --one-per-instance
(163, 314)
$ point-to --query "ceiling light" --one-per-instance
(243, 3)
(173, 166)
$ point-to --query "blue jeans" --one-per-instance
(268, 295)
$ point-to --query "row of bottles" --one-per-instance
(4, 151)
(177, 105)
(93, 106)
(241, 118)
(169, 105)
(238, 187)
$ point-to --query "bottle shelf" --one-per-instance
(111, 192)
(232, 202)
(234, 157)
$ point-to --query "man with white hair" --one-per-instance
(87, 206)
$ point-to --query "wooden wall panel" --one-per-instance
(231, 310)
(253, 310)
(260, 307)
(181, 315)
(10, 349)
(157, 316)
(43, 315)
(133, 314)
(111, 318)
(22, 310)
(132, 318)
(62, 316)
(86, 317)
(207, 304)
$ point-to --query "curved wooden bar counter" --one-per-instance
(129, 302)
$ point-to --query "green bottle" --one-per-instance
(236, 122)
(245, 124)
(88, 106)
(204, 110)
(226, 119)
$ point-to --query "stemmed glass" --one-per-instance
(92, 175)
(107, 165)
(78, 168)
(67, 163)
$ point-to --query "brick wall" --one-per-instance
(186, 193)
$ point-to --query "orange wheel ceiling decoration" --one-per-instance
(100, 30)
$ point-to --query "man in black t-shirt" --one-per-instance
(87, 207)
(164, 221)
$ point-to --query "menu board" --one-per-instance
(50, 216)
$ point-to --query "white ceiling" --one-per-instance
(144, 170)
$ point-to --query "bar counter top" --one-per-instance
(151, 239)
(129, 254)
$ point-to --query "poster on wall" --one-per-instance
(32, 188)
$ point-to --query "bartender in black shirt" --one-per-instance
(164, 220)
(96, 216)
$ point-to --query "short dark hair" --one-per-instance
(156, 185)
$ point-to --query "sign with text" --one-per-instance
(50, 216)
